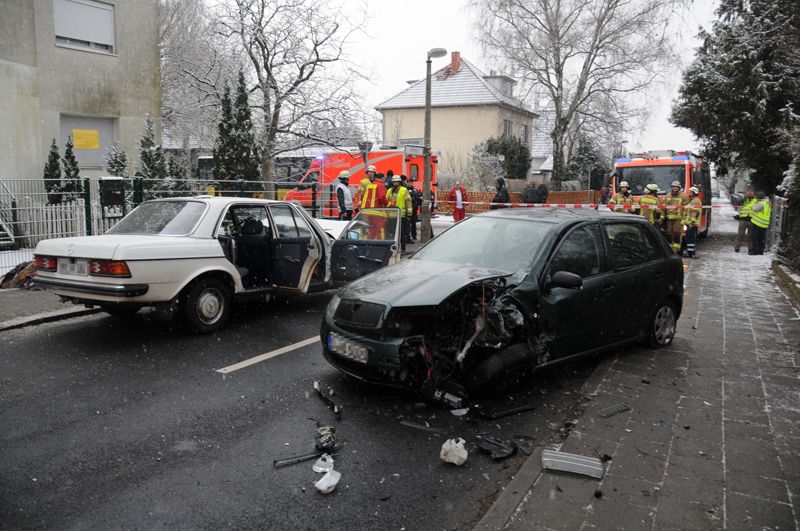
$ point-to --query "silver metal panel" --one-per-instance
(577, 464)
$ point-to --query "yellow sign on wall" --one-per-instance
(86, 138)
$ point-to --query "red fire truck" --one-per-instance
(328, 162)
(662, 168)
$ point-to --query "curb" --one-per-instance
(512, 496)
(49, 317)
(791, 283)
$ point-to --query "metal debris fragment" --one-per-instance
(492, 415)
(325, 438)
(337, 410)
(300, 458)
(577, 464)
(614, 410)
(422, 427)
(497, 448)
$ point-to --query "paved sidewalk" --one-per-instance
(20, 307)
(712, 439)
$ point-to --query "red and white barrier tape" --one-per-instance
(592, 205)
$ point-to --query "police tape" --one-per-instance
(449, 204)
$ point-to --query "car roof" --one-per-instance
(558, 215)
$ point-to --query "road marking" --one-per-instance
(268, 355)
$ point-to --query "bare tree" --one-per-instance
(195, 63)
(303, 82)
(592, 62)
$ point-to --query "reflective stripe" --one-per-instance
(761, 219)
(747, 207)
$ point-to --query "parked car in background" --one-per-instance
(194, 256)
(502, 293)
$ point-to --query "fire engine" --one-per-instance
(662, 168)
(328, 162)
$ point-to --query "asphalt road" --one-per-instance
(110, 424)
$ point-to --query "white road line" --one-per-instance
(268, 355)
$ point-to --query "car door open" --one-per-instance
(295, 250)
(370, 242)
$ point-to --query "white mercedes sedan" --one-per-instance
(193, 256)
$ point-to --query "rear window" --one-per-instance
(507, 245)
(163, 218)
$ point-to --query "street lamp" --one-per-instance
(425, 228)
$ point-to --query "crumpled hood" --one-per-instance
(415, 283)
(128, 247)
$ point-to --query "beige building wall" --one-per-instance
(454, 130)
(41, 81)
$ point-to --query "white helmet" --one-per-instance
(694, 190)
(344, 174)
(624, 184)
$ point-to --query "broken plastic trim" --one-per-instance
(337, 410)
(576, 464)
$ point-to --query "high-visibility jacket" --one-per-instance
(747, 207)
(374, 195)
(692, 212)
(362, 187)
(673, 200)
(399, 198)
(760, 218)
(623, 199)
(651, 214)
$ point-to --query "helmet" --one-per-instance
(676, 183)
(396, 178)
(624, 183)
(371, 168)
(694, 190)
(344, 174)
(652, 187)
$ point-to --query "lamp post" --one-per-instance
(425, 228)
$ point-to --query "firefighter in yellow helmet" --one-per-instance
(652, 214)
(398, 196)
(691, 219)
(623, 200)
(675, 198)
(369, 175)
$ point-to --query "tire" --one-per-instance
(500, 371)
(662, 325)
(121, 313)
(206, 305)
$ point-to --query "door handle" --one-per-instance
(608, 289)
(368, 259)
(311, 246)
(292, 260)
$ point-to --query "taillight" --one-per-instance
(45, 263)
(107, 268)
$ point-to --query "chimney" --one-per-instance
(455, 62)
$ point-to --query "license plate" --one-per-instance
(73, 266)
(347, 348)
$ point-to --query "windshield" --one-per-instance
(640, 176)
(165, 218)
(493, 243)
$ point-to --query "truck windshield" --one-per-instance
(638, 177)
(164, 218)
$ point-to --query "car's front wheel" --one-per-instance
(500, 371)
(662, 325)
(206, 305)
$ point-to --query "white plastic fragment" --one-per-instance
(323, 464)
(460, 412)
(328, 482)
(453, 451)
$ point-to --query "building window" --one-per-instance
(507, 125)
(84, 23)
(523, 133)
(91, 137)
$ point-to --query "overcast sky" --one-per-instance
(401, 33)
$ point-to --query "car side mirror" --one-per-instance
(352, 235)
(565, 279)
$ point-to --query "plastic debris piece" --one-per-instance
(497, 415)
(328, 482)
(337, 410)
(645, 381)
(323, 464)
(420, 406)
(526, 448)
(422, 427)
(606, 458)
(300, 458)
(497, 448)
(460, 412)
(686, 426)
(559, 489)
(577, 464)
(325, 438)
(614, 410)
(453, 451)
(598, 493)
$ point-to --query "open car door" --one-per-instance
(370, 242)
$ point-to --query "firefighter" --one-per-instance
(623, 199)
(759, 223)
(653, 214)
(344, 198)
(674, 228)
(745, 233)
(398, 196)
(362, 186)
(375, 197)
(691, 220)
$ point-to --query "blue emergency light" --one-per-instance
(624, 159)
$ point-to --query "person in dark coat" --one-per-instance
(501, 196)
(543, 192)
(387, 182)
(530, 194)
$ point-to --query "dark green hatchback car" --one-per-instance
(502, 293)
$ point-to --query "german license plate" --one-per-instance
(73, 266)
(347, 348)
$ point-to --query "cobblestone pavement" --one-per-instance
(712, 439)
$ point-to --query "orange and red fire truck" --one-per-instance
(662, 168)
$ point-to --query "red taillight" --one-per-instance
(108, 268)
(45, 263)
